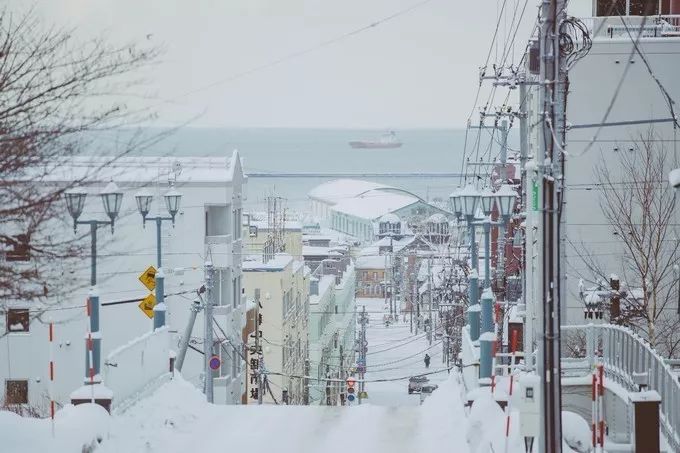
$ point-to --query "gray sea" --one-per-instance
(290, 162)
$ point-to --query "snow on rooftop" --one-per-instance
(136, 169)
(310, 250)
(277, 263)
(374, 204)
(340, 189)
(371, 262)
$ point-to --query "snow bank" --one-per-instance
(74, 428)
(576, 432)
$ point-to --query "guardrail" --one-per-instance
(625, 354)
(131, 368)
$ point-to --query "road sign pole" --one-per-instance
(159, 309)
(207, 336)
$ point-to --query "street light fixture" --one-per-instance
(75, 202)
(469, 199)
(505, 200)
(455, 203)
(487, 198)
(112, 198)
(144, 199)
(172, 202)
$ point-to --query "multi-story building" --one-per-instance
(205, 225)
(283, 286)
(623, 78)
(332, 329)
(371, 275)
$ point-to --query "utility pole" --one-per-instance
(184, 344)
(208, 333)
(260, 355)
(342, 376)
(363, 319)
(306, 384)
(552, 110)
(430, 332)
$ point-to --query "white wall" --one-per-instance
(122, 257)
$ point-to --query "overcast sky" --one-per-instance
(417, 70)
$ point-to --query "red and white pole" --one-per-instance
(600, 370)
(50, 388)
(513, 346)
(90, 349)
(594, 410)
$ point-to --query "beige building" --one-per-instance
(283, 284)
(258, 231)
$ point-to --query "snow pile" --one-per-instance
(486, 431)
(74, 428)
(576, 432)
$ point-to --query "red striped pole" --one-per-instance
(90, 354)
(513, 347)
(601, 406)
(51, 384)
(593, 418)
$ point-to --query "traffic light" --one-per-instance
(350, 389)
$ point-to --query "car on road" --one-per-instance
(416, 383)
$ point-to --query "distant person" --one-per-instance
(427, 361)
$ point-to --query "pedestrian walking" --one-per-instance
(427, 361)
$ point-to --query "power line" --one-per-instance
(301, 53)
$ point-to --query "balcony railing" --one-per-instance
(654, 26)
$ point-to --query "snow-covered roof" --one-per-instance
(390, 218)
(142, 169)
(309, 250)
(277, 263)
(263, 225)
(374, 204)
(340, 189)
(437, 218)
(370, 262)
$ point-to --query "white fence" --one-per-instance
(130, 369)
(624, 354)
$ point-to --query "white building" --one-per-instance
(332, 328)
(593, 86)
(205, 228)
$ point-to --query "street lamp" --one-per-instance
(505, 200)
(455, 203)
(487, 198)
(112, 198)
(144, 199)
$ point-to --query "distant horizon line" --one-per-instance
(339, 128)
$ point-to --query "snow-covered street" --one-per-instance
(176, 418)
(394, 352)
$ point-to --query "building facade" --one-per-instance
(283, 287)
(212, 193)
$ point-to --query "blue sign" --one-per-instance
(214, 362)
(351, 397)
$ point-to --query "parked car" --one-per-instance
(428, 388)
(416, 383)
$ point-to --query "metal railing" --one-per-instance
(654, 26)
(624, 355)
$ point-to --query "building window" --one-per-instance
(217, 220)
(18, 320)
(375, 276)
(238, 223)
(20, 249)
(16, 392)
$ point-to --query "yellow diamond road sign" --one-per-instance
(148, 278)
(147, 305)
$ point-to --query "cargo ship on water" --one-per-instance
(387, 140)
